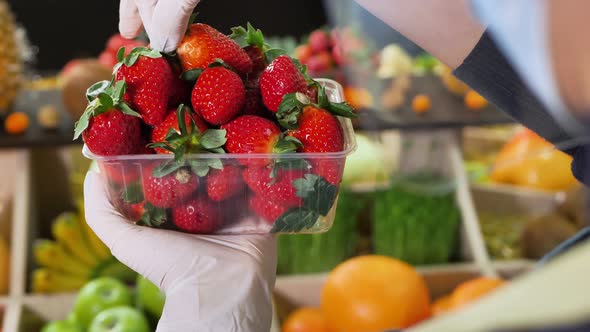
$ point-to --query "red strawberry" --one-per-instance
(251, 134)
(168, 190)
(224, 183)
(202, 45)
(113, 133)
(319, 63)
(197, 216)
(319, 41)
(253, 104)
(281, 77)
(108, 59)
(117, 41)
(121, 173)
(281, 191)
(257, 57)
(267, 209)
(149, 84)
(180, 92)
(218, 95)
(320, 131)
(171, 121)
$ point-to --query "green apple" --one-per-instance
(98, 295)
(62, 326)
(149, 297)
(119, 319)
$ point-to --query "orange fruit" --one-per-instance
(16, 123)
(474, 289)
(441, 305)
(474, 101)
(421, 103)
(305, 320)
(358, 98)
(374, 293)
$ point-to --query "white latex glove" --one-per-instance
(212, 283)
(165, 21)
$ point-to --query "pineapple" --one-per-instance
(10, 59)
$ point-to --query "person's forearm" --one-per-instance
(570, 48)
(444, 28)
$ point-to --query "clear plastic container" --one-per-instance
(300, 199)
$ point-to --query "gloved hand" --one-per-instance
(212, 283)
(164, 21)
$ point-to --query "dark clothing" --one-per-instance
(488, 71)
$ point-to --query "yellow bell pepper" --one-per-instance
(528, 160)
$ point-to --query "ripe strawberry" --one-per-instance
(256, 55)
(108, 59)
(180, 91)
(202, 45)
(251, 134)
(171, 121)
(279, 190)
(319, 41)
(149, 83)
(254, 106)
(168, 190)
(265, 208)
(121, 173)
(198, 216)
(117, 41)
(281, 77)
(320, 131)
(113, 133)
(224, 183)
(218, 95)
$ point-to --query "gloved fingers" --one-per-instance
(129, 19)
(138, 247)
(146, 12)
(171, 20)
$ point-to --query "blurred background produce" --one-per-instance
(526, 199)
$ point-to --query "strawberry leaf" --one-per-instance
(121, 54)
(166, 168)
(153, 216)
(119, 91)
(273, 53)
(192, 19)
(342, 109)
(106, 103)
(191, 75)
(215, 163)
(287, 144)
(97, 88)
(295, 220)
(84, 120)
(254, 37)
(127, 110)
(239, 36)
(134, 55)
(132, 194)
(213, 138)
(180, 111)
(217, 150)
(284, 164)
(318, 194)
(290, 109)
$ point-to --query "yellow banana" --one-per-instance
(99, 248)
(50, 281)
(4, 266)
(50, 254)
(67, 231)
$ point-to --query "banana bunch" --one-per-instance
(75, 256)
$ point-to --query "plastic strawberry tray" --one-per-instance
(298, 194)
